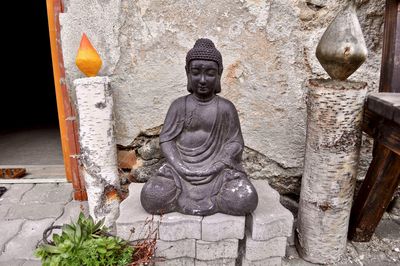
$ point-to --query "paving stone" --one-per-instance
(12, 262)
(301, 262)
(227, 248)
(8, 229)
(3, 210)
(176, 249)
(395, 206)
(388, 228)
(45, 193)
(176, 262)
(270, 219)
(15, 193)
(32, 263)
(274, 261)
(222, 226)
(132, 215)
(377, 250)
(290, 239)
(259, 250)
(219, 262)
(35, 211)
(291, 252)
(71, 212)
(173, 226)
(176, 226)
(23, 245)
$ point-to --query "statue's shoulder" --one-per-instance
(179, 102)
(226, 104)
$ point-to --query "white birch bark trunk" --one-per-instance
(334, 120)
(98, 151)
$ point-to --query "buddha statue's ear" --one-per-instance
(189, 88)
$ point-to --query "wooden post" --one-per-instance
(390, 68)
(98, 156)
(334, 111)
(66, 112)
(377, 190)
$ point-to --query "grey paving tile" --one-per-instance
(23, 245)
(71, 212)
(8, 229)
(45, 193)
(15, 193)
(35, 211)
(12, 262)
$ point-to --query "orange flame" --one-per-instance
(87, 59)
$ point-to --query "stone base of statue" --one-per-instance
(219, 239)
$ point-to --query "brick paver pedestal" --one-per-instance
(219, 239)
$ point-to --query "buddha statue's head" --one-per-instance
(204, 69)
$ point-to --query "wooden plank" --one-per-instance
(382, 130)
(375, 194)
(384, 103)
(68, 128)
(390, 68)
(12, 172)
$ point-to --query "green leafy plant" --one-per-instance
(85, 243)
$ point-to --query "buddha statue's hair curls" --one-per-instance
(204, 49)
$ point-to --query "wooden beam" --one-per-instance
(390, 67)
(382, 130)
(375, 194)
(66, 113)
(380, 119)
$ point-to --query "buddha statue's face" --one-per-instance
(203, 78)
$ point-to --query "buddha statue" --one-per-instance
(202, 142)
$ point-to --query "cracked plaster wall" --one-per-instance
(268, 48)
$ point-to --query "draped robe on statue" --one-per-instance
(228, 191)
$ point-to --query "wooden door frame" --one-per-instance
(65, 108)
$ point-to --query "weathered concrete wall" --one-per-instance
(268, 48)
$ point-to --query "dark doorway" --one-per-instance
(29, 131)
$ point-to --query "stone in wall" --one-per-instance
(149, 156)
(284, 180)
(147, 170)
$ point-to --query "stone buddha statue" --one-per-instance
(202, 142)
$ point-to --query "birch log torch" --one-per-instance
(334, 109)
(98, 152)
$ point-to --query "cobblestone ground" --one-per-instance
(382, 250)
(26, 210)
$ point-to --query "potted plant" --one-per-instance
(88, 243)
